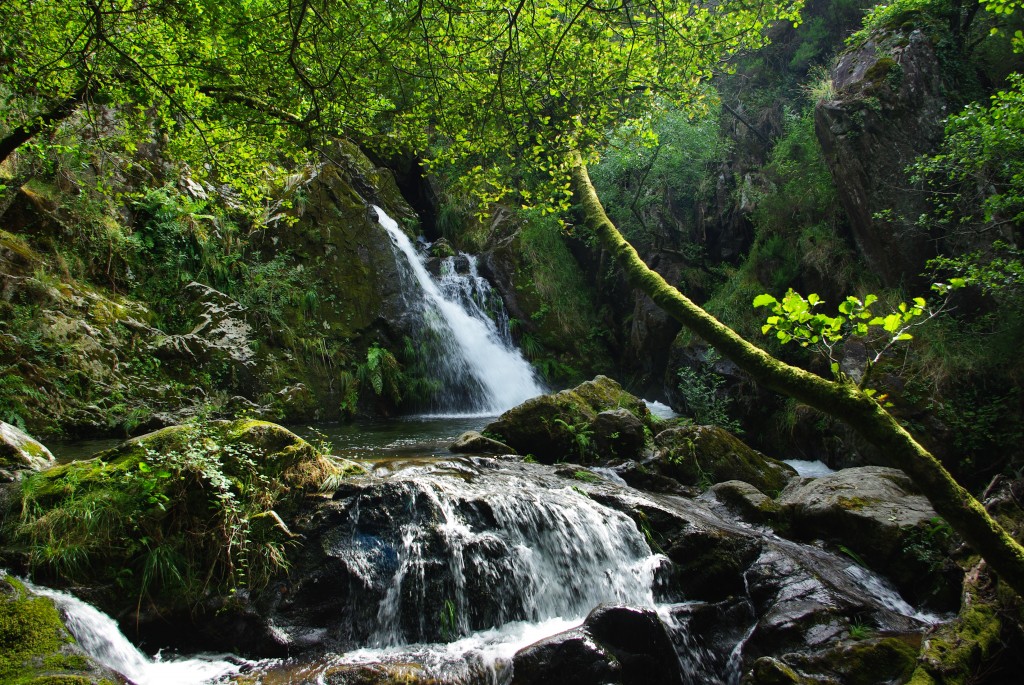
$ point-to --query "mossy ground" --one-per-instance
(34, 644)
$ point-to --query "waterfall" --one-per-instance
(478, 368)
(99, 636)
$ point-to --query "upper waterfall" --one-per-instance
(479, 368)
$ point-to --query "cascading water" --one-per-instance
(99, 636)
(478, 369)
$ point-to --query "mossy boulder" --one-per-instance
(560, 426)
(20, 452)
(474, 442)
(877, 513)
(36, 647)
(184, 515)
(705, 455)
(744, 499)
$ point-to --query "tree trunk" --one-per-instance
(22, 134)
(842, 400)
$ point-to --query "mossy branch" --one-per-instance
(842, 400)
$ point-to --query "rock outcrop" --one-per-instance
(888, 109)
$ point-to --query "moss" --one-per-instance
(878, 71)
(954, 653)
(176, 509)
(705, 455)
(853, 503)
(31, 636)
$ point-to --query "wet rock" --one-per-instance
(743, 498)
(559, 427)
(19, 452)
(877, 513)
(618, 434)
(615, 644)
(572, 658)
(474, 442)
(705, 455)
(638, 640)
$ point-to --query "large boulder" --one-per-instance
(705, 455)
(615, 645)
(561, 426)
(19, 452)
(174, 522)
(877, 514)
(889, 106)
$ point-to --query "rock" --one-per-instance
(19, 452)
(569, 658)
(474, 442)
(220, 334)
(638, 640)
(889, 108)
(876, 513)
(705, 455)
(559, 427)
(615, 644)
(618, 434)
(35, 645)
(175, 498)
(743, 498)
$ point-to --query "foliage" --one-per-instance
(382, 373)
(653, 179)
(704, 399)
(170, 519)
(582, 436)
(793, 319)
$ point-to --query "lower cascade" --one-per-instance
(478, 369)
(446, 570)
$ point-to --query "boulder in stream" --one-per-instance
(705, 455)
(615, 645)
(563, 426)
(877, 514)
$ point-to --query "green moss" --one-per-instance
(877, 72)
(853, 503)
(172, 515)
(30, 632)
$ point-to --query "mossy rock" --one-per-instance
(20, 452)
(705, 455)
(558, 427)
(751, 504)
(877, 513)
(184, 514)
(884, 659)
(36, 647)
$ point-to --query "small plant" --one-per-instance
(703, 397)
(448, 621)
(794, 319)
(582, 436)
(586, 476)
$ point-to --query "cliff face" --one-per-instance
(278, 331)
(888, 109)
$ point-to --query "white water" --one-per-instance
(547, 555)
(809, 469)
(100, 637)
(480, 371)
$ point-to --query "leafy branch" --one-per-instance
(794, 319)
